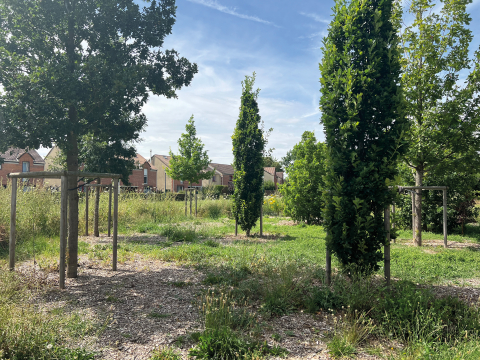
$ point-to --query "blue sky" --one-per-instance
(228, 39)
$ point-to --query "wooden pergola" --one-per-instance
(63, 175)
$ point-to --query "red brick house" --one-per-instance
(21, 160)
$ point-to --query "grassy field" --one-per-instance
(419, 317)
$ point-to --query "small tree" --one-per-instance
(360, 103)
(443, 114)
(191, 163)
(248, 148)
(303, 193)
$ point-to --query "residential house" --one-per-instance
(21, 160)
(142, 179)
(164, 182)
(269, 174)
(223, 175)
(279, 177)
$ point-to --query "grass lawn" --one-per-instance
(262, 280)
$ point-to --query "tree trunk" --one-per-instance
(97, 205)
(418, 206)
(72, 165)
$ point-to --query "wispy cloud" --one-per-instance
(214, 5)
(316, 17)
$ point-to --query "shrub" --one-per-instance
(269, 185)
(273, 205)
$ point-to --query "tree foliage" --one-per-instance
(443, 112)
(192, 161)
(270, 161)
(248, 147)
(72, 68)
(303, 194)
(360, 103)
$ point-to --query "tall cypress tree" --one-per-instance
(248, 146)
(361, 114)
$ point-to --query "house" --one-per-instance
(279, 177)
(223, 175)
(142, 179)
(269, 174)
(164, 182)
(21, 160)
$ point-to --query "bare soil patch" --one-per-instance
(439, 243)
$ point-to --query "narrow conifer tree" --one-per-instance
(361, 114)
(248, 146)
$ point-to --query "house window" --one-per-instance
(231, 177)
(213, 178)
(145, 176)
(0, 166)
(181, 182)
(179, 188)
(25, 166)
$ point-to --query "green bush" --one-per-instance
(269, 185)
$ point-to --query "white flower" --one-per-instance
(49, 346)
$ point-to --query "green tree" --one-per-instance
(360, 102)
(288, 159)
(76, 67)
(303, 193)
(248, 148)
(270, 161)
(191, 163)
(444, 114)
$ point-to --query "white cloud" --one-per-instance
(316, 17)
(214, 5)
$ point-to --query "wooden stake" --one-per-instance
(413, 215)
(115, 223)
(196, 203)
(393, 224)
(13, 224)
(261, 218)
(63, 230)
(328, 267)
(444, 218)
(236, 227)
(109, 208)
(386, 248)
(185, 202)
(191, 200)
(96, 232)
(86, 209)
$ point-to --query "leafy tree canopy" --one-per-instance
(303, 192)
(192, 161)
(270, 161)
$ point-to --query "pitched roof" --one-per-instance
(224, 169)
(279, 174)
(163, 158)
(270, 170)
(13, 154)
(139, 159)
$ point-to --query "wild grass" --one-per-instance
(26, 333)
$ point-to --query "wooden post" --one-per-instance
(185, 202)
(386, 248)
(393, 224)
(261, 219)
(86, 209)
(445, 218)
(109, 208)
(115, 223)
(328, 267)
(63, 230)
(13, 224)
(196, 192)
(96, 232)
(191, 200)
(236, 227)
(413, 215)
